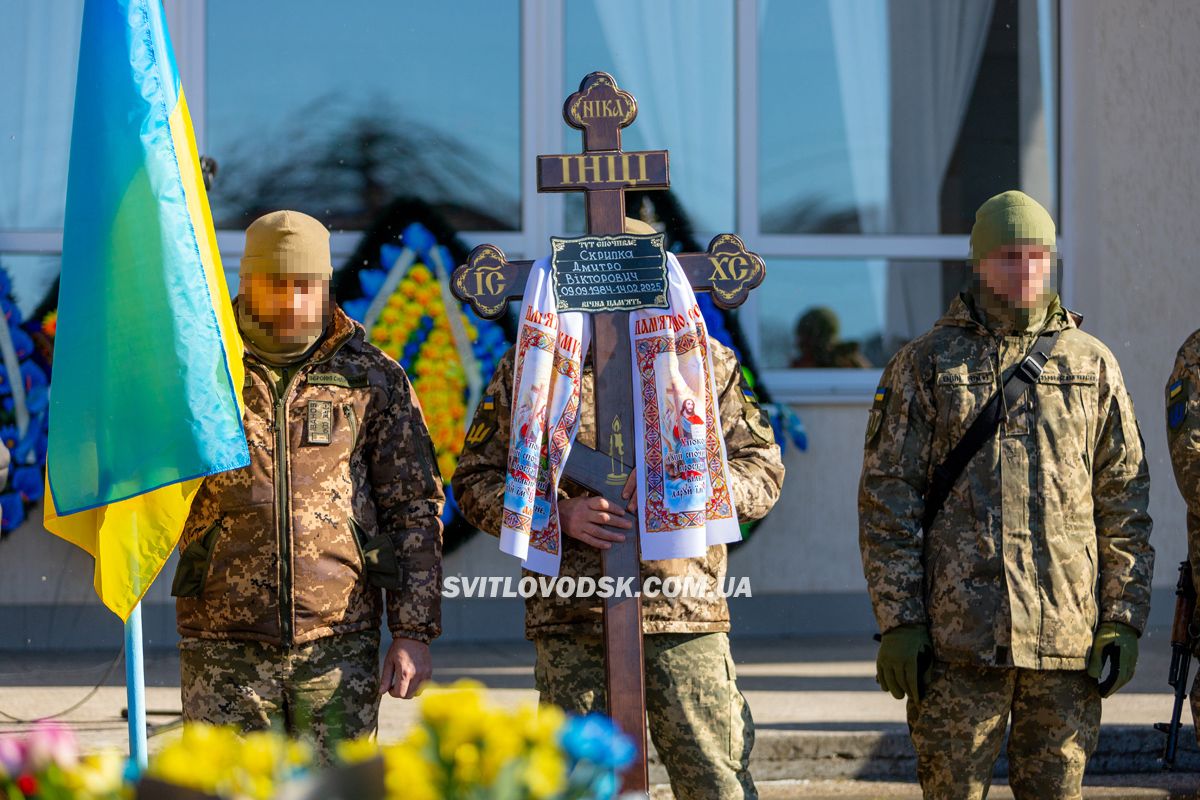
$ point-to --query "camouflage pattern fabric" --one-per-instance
(958, 729)
(323, 691)
(1045, 534)
(699, 722)
(1183, 438)
(756, 473)
(340, 504)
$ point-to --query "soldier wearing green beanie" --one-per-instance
(1013, 254)
(288, 566)
(1005, 579)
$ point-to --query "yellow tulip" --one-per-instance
(466, 763)
(545, 772)
(260, 753)
(356, 751)
(408, 774)
(540, 724)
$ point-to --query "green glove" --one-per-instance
(900, 667)
(1124, 641)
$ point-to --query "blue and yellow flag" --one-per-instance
(147, 360)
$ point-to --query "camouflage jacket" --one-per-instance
(1046, 532)
(756, 471)
(1183, 437)
(341, 503)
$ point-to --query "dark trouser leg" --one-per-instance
(231, 683)
(1055, 728)
(958, 727)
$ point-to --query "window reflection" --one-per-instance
(849, 313)
(337, 114)
(39, 54)
(901, 117)
(676, 57)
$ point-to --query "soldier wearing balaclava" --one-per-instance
(287, 566)
(283, 294)
(1011, 580)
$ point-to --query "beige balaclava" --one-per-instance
(282, 244)
(638, 228)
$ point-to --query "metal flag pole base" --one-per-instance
(135, 691)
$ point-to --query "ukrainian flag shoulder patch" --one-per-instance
(1177, 403)
(875, 418)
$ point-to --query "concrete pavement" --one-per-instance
(824, 729)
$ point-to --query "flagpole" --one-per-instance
(135, 689)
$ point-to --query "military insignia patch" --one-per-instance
(874, 421)
(755, 417)
(875, 418)
(747, 392)
(480, 433)
(320, 422)
(488, 403)
(1177, 397)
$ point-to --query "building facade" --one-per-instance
(847, 141)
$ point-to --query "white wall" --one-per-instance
(1131, 154)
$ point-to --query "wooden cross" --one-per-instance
(488, 281)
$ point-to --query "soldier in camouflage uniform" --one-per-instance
(286, 565)
(1183, 437)
(1040, 558)
(699, 721)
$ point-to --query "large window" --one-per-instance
(338, 109)
(676, 57)
(848, 141)
(39, 44)
(880, 118)
(881, 128)
(847, 313)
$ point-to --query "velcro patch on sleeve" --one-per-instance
(875, 417)
(480, 433)
(1177, 402)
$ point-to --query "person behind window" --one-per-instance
(818, 344)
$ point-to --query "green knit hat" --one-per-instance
(1008, 218)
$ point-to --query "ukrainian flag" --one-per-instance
(147, 361)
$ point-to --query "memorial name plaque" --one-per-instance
(609, 273)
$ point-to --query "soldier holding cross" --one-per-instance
(699, 721)
(675, 505)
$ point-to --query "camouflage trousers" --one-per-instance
(323, 691)
(699, 721)
(958, 728)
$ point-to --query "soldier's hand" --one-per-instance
(630, 492)
(1121, 641)
(898, 666)
(589, 519)
(406, 666)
